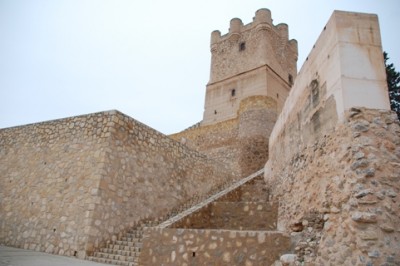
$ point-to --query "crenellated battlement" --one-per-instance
(261, 21)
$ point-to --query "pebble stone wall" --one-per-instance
(69, 185)
(352, 179)
(49, 177)
(211, 247)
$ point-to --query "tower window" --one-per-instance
(233, 92)
(242, 46)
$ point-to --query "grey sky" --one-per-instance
(148, 59)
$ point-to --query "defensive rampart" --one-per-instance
(68, 185)
(334, 167)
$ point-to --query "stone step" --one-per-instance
(126, 250)
(127, 243)
(120, 252)
(115, 257)
(113, 262)
(123, 247)
(131, 239)
(134, 234)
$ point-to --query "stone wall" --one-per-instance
(69, 185)
(211, 247)
(232, 216)
(351, 179)
(335, 167)
(241, 143)
(245, 208)
(257, 116)
(216, 141)
(345, 69)
(147, 175)
(49, 180)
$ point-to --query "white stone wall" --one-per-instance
(348, 60)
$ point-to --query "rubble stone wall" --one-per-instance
(211, 247)
(233, 216)
(68, 185)
(146, 175)
(241, 143)
(333, 166)
(217, 141)
(351, 177)
(50, 174)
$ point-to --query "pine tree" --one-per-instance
(393, 82)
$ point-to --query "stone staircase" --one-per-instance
(126, 250)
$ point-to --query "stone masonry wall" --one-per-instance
(147, 175)
(333, 153)
(49, 175)
(211, 247)
(264, 43)
(352, 180)
(232, 216)
(216, 141)
(257, 117)
(245, 208)
(241, 143)
(67, 186)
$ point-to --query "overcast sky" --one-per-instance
(148, 59)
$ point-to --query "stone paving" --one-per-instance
(21, 257)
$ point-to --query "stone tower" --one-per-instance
(256, 59)
(253, 67)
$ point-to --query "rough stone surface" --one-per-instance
(69, 185)
(245, 208)
(253, 59)
(77, 185)
(211, 247)
(288, 259)
(358, 216)
(241, 142)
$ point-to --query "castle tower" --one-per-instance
(256, 59)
